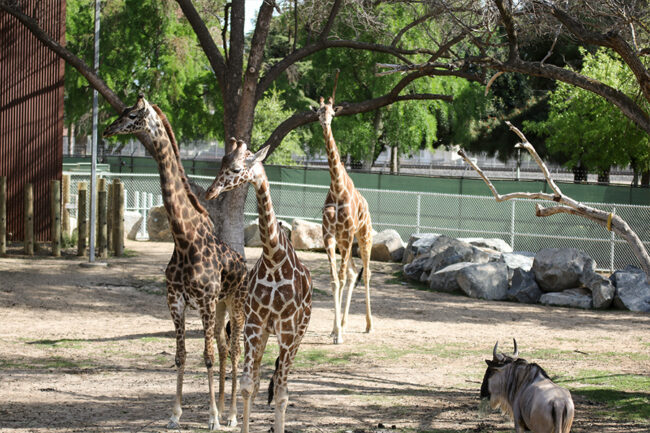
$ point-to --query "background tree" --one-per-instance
(585, 130)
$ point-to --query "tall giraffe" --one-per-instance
(345, 215)
(204, 272)
(280, 287)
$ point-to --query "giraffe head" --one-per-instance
(326, 111)
(237, 168)
(132, 120)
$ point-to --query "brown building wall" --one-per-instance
(31, 113)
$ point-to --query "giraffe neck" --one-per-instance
(268, 223)
(184, 212)
(337, 170)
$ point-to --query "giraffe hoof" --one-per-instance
(213, 425)
(173, 425)
(231, 422)
(338, 339)
(369, 330)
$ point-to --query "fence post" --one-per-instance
(417, 219)
(118, 218)
(612, 244)
(512, 225)
(109, 217)
(101, 218)
(65, 199)
(82, 215)
(28, 241)
(55, 211)
(3, 215)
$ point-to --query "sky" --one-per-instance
(252, 6)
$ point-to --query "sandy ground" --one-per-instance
(92, 349)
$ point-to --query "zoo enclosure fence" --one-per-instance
(408, 212)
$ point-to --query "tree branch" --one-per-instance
(567, 204)
(330, 20)
(205, 40)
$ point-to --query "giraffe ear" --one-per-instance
(258, 157)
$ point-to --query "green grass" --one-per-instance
(626, 396)
(309, 358)
(55, 362)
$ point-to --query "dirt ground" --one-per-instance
(92, 349)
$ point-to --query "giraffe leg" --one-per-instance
(351, 281)
(237, 323)
(177, 310)
(258, 363)
(253, 339)
(365, 247)
(345, 247)
(208, 318)
(330, 248)
(222, 348)
(289, 343)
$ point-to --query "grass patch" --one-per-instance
(626, 396)
(151, 339)
(321, 292)
(397, 278)
(55, 362)
(309, 358)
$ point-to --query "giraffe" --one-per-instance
(204, 273)
(280, 288)
(345, 215)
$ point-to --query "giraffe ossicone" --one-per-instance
(204, 272)
(345, 216)
(280, 287)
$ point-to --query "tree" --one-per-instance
(241, 80)
(153, 53)
(587, 131)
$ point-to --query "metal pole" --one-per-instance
(93, 149)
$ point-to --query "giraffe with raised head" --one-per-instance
(204, 273)
(345, 215)
(280, 288)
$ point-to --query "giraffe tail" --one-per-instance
(271, 383)
(359, 275)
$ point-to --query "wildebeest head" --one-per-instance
(498, 361)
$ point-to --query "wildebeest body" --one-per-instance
(526, 393)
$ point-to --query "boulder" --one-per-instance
(131, 220)
(387, 246)
(576, 298)
(602, 290)
(158, 225)
(632, 289)
(523, 287)
(558, 269)
(418, 244)
(418, 269)
(306, 235)
(494, 244)
(520, 259)
(484, 281)
(445, 280)
(457, 253)
(135, 230)
(252, 232)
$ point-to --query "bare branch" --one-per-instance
(491, 81)
(567, 204)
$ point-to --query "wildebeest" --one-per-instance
(524, 391)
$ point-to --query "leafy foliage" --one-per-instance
(585, 130)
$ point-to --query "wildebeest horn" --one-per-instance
(494, 351)
(516, 352)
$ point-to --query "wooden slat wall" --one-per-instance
(31, 113)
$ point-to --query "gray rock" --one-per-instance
(484, 281)
(418, 244)
(558, 269)
(519, 259)
(387, 246)
(602, 290)
(306, 235)
(456, 253)
(523, 287)
(495, 244)
(135, 229)
(445, 279)
(131, 218)
(252, 232)
(632, 289)
(419, 267)
(576, 298)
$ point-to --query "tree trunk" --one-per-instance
(394, 160)
(377, 126)
(645, 179)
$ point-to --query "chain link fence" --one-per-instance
(420, 212)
